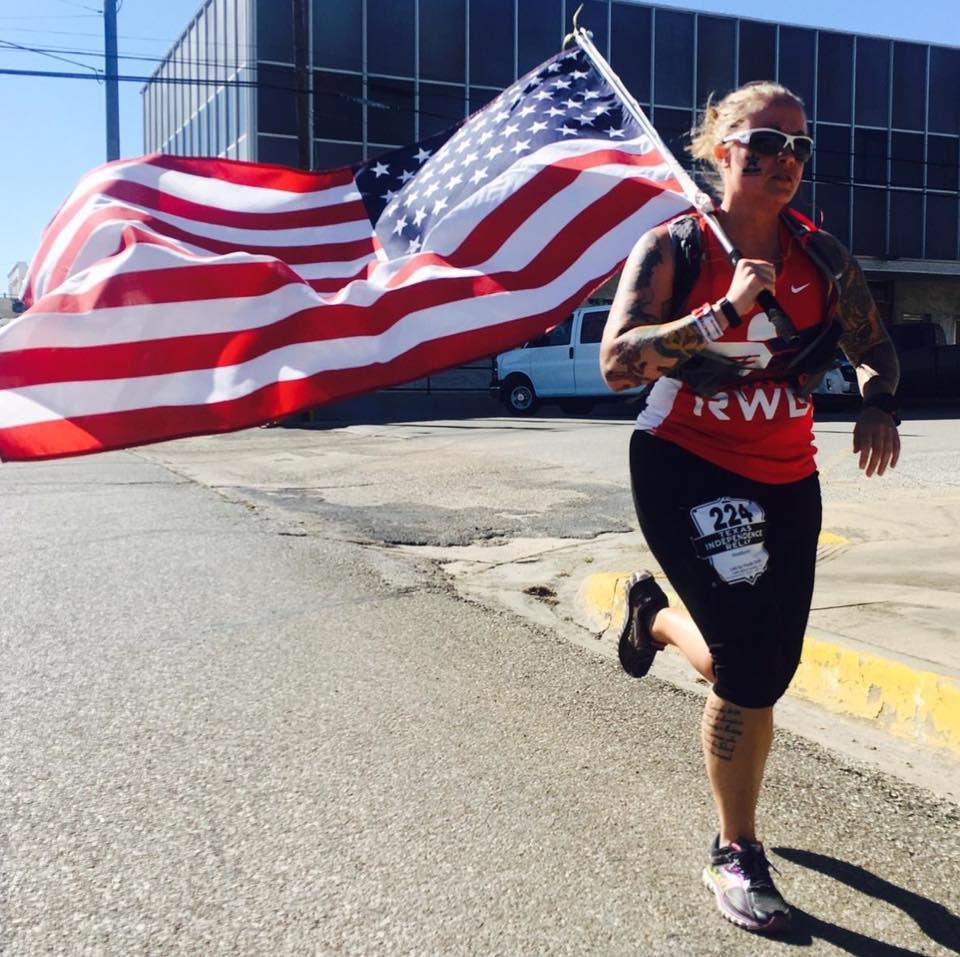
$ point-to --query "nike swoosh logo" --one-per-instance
(796, 289)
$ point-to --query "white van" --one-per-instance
(562, 365)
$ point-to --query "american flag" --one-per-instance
(178, 296)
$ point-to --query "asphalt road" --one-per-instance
(233, 719)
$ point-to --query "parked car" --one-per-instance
(839, 383)
(928, 365)
(562, 366)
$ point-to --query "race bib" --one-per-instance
(730, 535)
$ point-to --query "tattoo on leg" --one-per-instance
(752, 167)
(722, 729)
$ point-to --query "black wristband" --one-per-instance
(733, 317)
(885, 402)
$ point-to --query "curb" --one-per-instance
(916, 705)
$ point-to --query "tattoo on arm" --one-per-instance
(861, 324)
(722, 729)
(864, 340)
(645, 344)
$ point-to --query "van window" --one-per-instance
(558, 336)
(592, 328)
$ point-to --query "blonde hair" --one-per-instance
(720, 118)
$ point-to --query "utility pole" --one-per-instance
(304, 133)
(110, 69)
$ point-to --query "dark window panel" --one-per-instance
(869, 222)
(222, 102)
(803, 201)
(630, 47)
(592, 327)
(757, 46)
(276, 99)
(390, 111)
(335, 155)
(443, 41)
(906, 159)
(873, 81)
(479, 98)
(943, 160)
(833, 210)
(906, 225)
(275, 31)
(593, 18)
(941, 227)
(674, 127)
(944, 84)
(337, 106)
(834, 77)
(557, 336)
(715, 40)
(831, 155)
(440, 107)
(273, 149)
(673, 77)
(539, 32)
(390, 36)
(797, 57)
(870, 156)
(909, 85)
(491, 42)
(337, 34)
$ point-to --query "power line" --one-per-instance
(373, 87)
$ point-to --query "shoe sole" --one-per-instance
(634, 663)
(776, 925)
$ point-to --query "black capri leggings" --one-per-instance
(740, 554)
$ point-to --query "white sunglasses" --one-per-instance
(770, 142)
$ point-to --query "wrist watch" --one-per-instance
(728, 309)
(885, 402)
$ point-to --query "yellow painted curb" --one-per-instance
(915, 705)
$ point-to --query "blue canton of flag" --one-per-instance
(407, 191)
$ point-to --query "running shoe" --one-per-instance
(739, 876)
(643, 598)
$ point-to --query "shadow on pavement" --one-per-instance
(936, 921)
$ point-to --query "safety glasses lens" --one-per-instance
(771, 143)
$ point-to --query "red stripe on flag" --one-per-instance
(321, 323)
(161, 202)
(236, 172)
(295, 255)
(263, 175)
(98, 433)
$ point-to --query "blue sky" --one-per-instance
(54, 128)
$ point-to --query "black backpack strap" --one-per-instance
(687, 243)
(817, 356)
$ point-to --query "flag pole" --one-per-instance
(698, 198)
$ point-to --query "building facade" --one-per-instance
(885, 114)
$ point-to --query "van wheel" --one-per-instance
(519, 395)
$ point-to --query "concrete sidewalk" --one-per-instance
(879, 646)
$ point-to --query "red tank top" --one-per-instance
(760, 429)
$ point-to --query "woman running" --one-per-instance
(722, 459)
